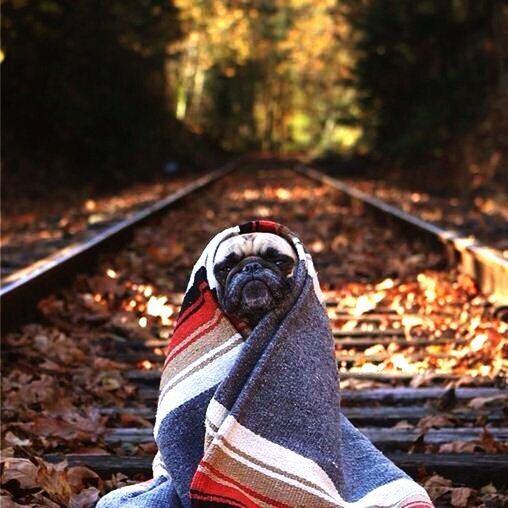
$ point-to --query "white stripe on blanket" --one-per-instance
(225, 345)
(158, 467)
(276, 456)
(206, 258)
(202, 380)
(271, 473)
(216, 413)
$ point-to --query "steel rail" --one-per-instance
(487, 267)
(19, 297)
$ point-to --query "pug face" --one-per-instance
(254, 272)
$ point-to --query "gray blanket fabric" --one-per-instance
(248, 421)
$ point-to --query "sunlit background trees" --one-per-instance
(117, 89)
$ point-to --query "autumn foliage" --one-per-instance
(118, 89)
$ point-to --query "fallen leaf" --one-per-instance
(51, 477)
(436, 421)
(488, 489)
(81, 477)
(403, 424)
(499, 401)
(459, 447)
(437, 486)
(21, 470)
(13, 440)
(132, 420)
(460, 497)
(85, 499)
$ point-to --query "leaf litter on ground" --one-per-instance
(58, 373)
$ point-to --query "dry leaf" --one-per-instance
(13, 440)
(132, 420)
(459, 447)
(85, 499)
(403, 424)
(499, 401)
(436, 421)
(80, 477)
(21, 470)
(437, 486)
(52, 479)
(460, 497)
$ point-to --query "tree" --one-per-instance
(84, 86)
(424, 72)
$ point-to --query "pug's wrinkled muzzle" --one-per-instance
(254, 291)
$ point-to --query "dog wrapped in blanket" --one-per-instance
(248, 412)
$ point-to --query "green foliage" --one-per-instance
(424, 70)
(229, 116)
(250, 72)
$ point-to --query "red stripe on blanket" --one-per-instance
(190, 321)
(212, 324)
(202, 288)
(203, 485)
(263, 226)
(267, 226)
(209, 500)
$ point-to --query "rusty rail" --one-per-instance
(18, 299)
(484, 264)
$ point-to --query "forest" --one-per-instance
(115, 91)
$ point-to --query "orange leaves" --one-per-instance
(478, 221)
(443, 326)
(51, 485)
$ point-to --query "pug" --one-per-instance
(254, 274)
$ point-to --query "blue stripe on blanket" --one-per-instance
(181, 440)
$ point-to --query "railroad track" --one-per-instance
(19, 298)
(488, 267)
(381, 400)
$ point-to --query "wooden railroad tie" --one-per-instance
(374, 412)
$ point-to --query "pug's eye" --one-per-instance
(280, 262)
(225, 270)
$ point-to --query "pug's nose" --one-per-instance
(252, 267)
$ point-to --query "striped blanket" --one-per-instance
(253, 419)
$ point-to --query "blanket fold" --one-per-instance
(253, 419)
